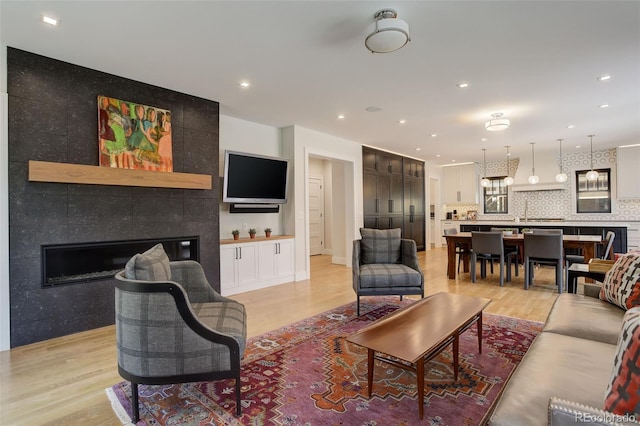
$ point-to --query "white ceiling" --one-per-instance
(535, 61)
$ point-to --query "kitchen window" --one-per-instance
(593, 196)
(496, 196)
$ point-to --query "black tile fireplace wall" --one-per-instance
(53, 117)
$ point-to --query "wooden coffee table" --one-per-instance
(416, 333)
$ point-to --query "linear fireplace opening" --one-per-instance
(76, 263)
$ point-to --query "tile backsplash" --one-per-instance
(558, 203)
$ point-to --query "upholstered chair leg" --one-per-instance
(135, 410)
(358, 304)
(502, 272)
(473, 268)
(508, 269)
(238, 397)
(527, 273)
(401, 298)
(559, 274)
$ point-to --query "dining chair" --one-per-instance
(508, 248)
(543, 248)
(461, 250)
(489, 246)
(575, 258)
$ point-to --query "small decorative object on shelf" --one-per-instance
(267, 232)
(236, 234)
(252, 233)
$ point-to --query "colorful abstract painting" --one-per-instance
(134, 136)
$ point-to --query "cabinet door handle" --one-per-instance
(278, 248)
(390, 206)
(377, 205)
(459, 196)
(390, 168)
(240, 249)
(412, 210)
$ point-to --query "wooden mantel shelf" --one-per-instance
(44, 171)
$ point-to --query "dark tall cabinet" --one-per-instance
(394, 194)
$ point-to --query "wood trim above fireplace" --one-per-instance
(44, 171)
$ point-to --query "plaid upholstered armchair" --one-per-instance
(172, 327)
(385, 264)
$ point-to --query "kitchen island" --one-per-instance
(600, 228)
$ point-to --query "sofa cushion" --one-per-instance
(386, 275)
(380, 246)
(622, 282)
(152, 265)
(586, 317)
(623, 393)
(555, 365)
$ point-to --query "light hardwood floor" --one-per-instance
(62, 381)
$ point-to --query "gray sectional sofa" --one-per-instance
(564, 375)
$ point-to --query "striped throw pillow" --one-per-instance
(623, 393)
(621, 285)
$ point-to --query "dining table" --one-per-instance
(586, 243)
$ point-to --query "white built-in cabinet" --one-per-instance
(460, 184)
(252, 264)
(275, 260)
(628, 180)
(238, 267)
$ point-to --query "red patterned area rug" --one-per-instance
(307, 374)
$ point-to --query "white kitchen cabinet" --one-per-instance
(460, 184)
(628, 163)
(238, 267)
(246, 266)
(275, 261)
(633, 237)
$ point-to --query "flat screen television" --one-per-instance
(252, 178)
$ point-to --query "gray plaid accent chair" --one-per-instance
(385, 264)
(172, 327)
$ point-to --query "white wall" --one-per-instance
(328, 207)
(5, 330)
(246, 136)
(300, 144)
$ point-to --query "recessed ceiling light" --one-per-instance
(418, 149)
(433, 135)
(483, 139)
(402, 121)
(463, 85)
(341, 117)
(603, 106)
(438, 155)
(245, 84)
(577, 146)
(453, 161)
(570, 126)
(605, 77)
(49, 20)
(373, 109)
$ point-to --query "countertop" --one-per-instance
(542, 222)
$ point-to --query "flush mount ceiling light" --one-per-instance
(592, 174)
(508, 180)
(387, 33)
(497, 123)
(485, 182)
(533, 179)
(562, 176)
(51, 21)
